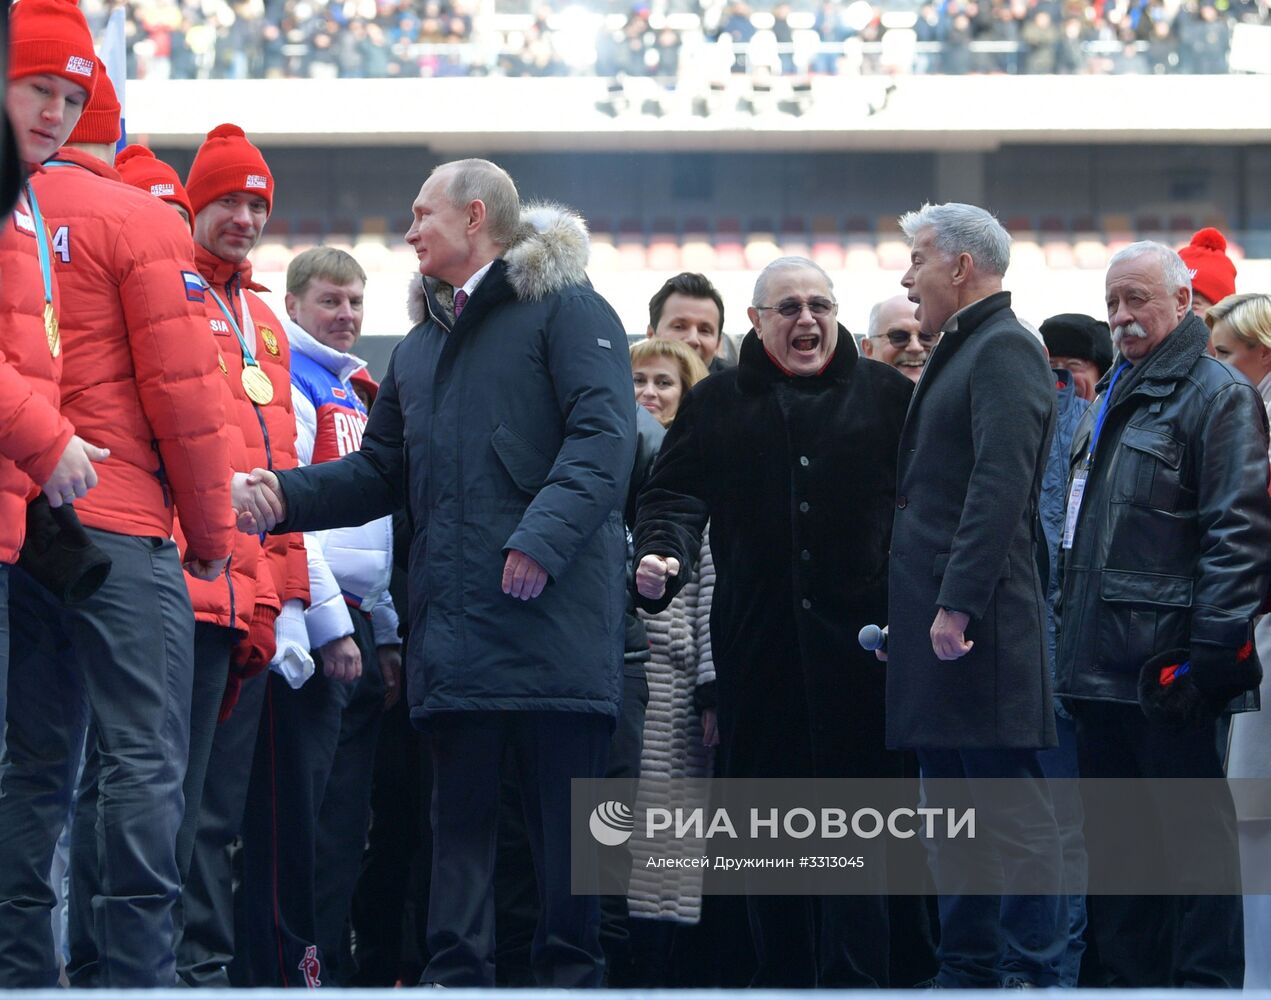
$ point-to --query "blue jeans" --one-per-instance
(985, 939)
(1059, 764)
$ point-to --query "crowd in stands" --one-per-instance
(252, 39)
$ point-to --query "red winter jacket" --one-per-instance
(33, 434)
(233, 283)
(231, 598)
(139, 372)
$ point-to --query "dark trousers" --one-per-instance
(392, 889)
(212, 646)
(1059, 764)
(515, 890)
(205, 943)
(1153, 941)
(986, 939)
(295, 752)
(4, 646)
(468, 750)
(625, 748)
(127, 653)
(802, 942)
(345, 812)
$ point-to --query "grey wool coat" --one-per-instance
(972, 454)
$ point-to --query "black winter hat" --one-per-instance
(1074, 335)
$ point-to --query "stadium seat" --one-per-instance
(664, 246)
(604, 255)
(1058, 251)
(1027, 254)
(270, 255)
(828, 252)
(761, 244)
(860, 255)
(893, 253)
(730, 254)
(632, 255)
(697, 254)
(1181, 227)
(373, 254)
(1089, 251)
(793, 237)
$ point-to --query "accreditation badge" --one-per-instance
(1075, 493)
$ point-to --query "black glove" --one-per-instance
(1182, 689)
(1223, 673)
(59, 555)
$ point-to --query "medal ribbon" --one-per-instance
(249, 358)
(42, 242)
(1103, 412)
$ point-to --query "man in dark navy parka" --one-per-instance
(505, 426)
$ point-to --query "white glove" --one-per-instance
(292, 661)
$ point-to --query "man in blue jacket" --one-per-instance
(505, 426)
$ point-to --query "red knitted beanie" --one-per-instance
(1213, 273)
(100, 121)
(51, 36)
(225, 164)
(138, 166)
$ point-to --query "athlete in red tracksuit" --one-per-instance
(230, 191)
(139, 375)
(38, 446)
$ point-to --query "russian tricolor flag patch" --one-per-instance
(193, 286)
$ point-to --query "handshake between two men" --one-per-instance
(260, 505)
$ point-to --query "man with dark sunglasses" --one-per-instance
(894, 337)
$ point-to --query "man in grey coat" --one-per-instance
(968, 683)
(505, 425)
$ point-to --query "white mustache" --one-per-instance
(1132, 329)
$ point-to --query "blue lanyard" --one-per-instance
(248, 357)
(1103, 412)
(42, 243)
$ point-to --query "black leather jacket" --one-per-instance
(1173, 539)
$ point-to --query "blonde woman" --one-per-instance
(1240, 335)
(663, 372)
(681, 674)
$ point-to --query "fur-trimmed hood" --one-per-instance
(548, 253)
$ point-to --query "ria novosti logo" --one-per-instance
(611, 823)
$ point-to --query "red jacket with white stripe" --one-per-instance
(139, 371)
(33, 434)
(275, 420)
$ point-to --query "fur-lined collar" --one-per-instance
(548, 253)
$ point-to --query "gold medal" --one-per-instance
(51, 330)
(257, 385)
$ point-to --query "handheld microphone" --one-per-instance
(873, 638)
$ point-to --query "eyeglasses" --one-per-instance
(898, 338)
(791, 308)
